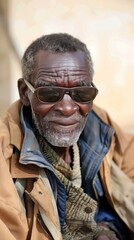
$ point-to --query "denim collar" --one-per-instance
(30, 151)
(94, 142)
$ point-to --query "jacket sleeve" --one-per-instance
(5, 233)
(128, 160)
(117, 174)
(123, 150)
(13, 223)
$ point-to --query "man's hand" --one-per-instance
(106, 233)
(107, 238)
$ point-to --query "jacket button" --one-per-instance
(88, 210)
(40, 192)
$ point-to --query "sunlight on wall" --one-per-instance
(107, 27)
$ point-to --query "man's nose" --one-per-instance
(66, 106)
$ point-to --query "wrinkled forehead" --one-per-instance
(76, 60)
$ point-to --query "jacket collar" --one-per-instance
(94, 143)
(30, 151)
(96, 136)
(13, 119)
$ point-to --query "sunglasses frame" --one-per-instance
(66, 91)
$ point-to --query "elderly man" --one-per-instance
(63, 162)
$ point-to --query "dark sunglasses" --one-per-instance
(48, 94)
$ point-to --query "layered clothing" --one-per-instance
(32, 197)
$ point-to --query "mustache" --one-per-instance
(56, 116)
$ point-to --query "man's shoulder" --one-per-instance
(102, 114)
(12, 113)
(10, 130)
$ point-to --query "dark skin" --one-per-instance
(63, 70)
(64, 75)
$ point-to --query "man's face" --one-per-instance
(60, 123)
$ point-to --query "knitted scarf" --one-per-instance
(80, 208)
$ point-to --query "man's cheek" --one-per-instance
(41, 108)
(85, 108)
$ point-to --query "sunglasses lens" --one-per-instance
(78, 94)
(48, 94)
(84, 94)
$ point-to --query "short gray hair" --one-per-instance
(54, 43)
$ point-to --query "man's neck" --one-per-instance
(65, 153)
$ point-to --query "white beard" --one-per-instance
(59, 138)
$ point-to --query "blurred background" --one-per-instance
(106, 26)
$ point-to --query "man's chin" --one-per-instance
(63, 143)
(64, 140)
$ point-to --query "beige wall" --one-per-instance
(106, 26)
(9, 60)
(4, 58)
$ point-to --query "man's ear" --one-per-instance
(23, 92)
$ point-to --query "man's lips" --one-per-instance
(64, 122)
(66, 126)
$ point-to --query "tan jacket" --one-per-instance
(19, 223)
